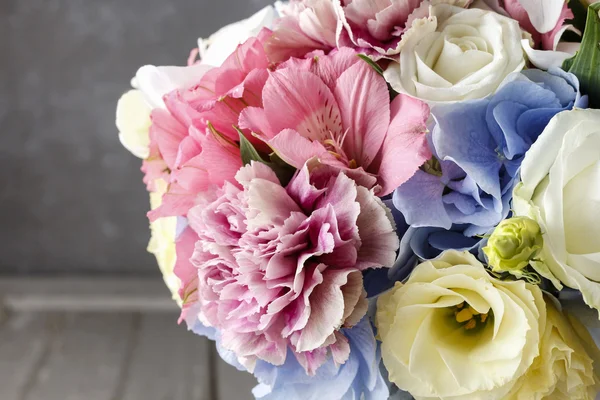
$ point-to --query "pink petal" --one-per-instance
(340, 350)
(168, 134)
(268, 204)
(319, 22)
(177, 201)
(342, 197)
(248, 56)
(379, 241)
(288, 40)
(352, 292)
(312, 360)
(363, 98)
(327, 301)
(329, 68)
(295, 149)
(255, 120)
(405, 148)
(255, 170)
(299, 100)
(302, 190)
(185, 270)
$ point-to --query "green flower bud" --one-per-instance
(514, 243)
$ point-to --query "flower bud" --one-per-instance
(514, 243)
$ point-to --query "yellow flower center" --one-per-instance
(469, 317)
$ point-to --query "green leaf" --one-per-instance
(372, 63)
(378, 69)
(284, 171)
(247, 150)
(586, 63)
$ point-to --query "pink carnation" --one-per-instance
(376, 27)
(279, 268)
(304, 26)
(338, 109)
(371, 27)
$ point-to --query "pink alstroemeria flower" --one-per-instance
(279, 268)
(338, 109)
(195, 135)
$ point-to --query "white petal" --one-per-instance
(155, 82)
(215, 50)
(545, 59)
(544, 14)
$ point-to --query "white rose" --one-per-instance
(560, 189)
(454, 332)
(215, 49)
(162, 242)
(456, 55)
(133, 122)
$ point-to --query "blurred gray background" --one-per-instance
(72, 199)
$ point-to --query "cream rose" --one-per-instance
(456, 54)
(162, 242)
(560, 189)
(564, 369)
(453, 331)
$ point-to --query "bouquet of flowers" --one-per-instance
(373, 199)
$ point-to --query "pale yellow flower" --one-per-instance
(564, 369)
(133, 122)
(162, 242)
(454, 332)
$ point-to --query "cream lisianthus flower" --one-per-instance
(162, 242)
(560, 190)
(456, 54)
(133, 122)
(454, 332)
(564, 370)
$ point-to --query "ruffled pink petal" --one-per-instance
(340, 350)
(302, 191)
(327, 300)
(255, 170)
(312, 360)
(405, 147)
(304, 28)
(268, 204)
(363, 99)
(377, 231)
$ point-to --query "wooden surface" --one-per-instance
(111, 356)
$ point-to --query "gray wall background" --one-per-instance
(72, 199)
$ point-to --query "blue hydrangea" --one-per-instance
(357, 379)
(478, 147)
